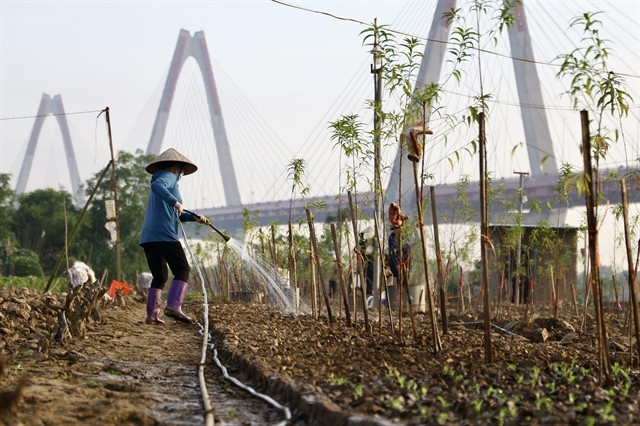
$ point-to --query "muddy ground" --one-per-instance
(119, 370)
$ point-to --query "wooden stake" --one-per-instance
(437, 343)
(363, 283)
(316, 256)
(632, 270)
(436, 239)
(343, 285)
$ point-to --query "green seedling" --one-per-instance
(535, 372)
(477, 404)
(397, 403)
(443, 401)
(607, 411)
(423, 412)
(551, 385)
(358, 390)
(93, 384)
(572, 398)
(391, 372)
(114, 372)
(616, 369)
(448, 370)
(18, 369)
(337, 380)
(231, 413)
(494, 391)
(624, 389)
(512, 406)
(423, 391)
(543, 400)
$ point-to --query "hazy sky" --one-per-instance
(117, 53)
(282, 75)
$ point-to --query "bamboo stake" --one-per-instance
(115, 197)
(380, 270)
(484, 241)
(363, 284)
(343, 285)
(404, 276)
(314, 245)
(632, 271)
(398, 280)
(293, 272)
(554, 293)
(312, 269)
(352, 281)
(437, 343)
(441, 284)
(76, 226)
(592, 225)
(384, 278)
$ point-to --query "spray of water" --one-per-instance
(274, 282)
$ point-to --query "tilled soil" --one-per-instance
(123, 371)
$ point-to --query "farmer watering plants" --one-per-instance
(160, 235)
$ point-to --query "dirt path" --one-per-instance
(127, 372)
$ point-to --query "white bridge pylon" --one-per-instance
(50, 106)
(196, 47)
(542, 160)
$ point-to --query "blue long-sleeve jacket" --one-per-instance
(160, 219)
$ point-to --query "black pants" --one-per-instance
(163, 253)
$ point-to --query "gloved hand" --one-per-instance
(202, 219)
(178, 207)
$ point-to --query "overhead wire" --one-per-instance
(317, 149)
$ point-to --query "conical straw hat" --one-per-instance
(171, 156)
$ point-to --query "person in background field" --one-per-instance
(160, 235)
(333, 285)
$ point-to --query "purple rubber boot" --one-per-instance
(154, 301)
(177, 292)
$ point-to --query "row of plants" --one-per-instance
(566, 389)
(39, 222)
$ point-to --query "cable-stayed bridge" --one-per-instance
(522, 119)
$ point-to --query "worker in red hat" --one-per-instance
(160, 235)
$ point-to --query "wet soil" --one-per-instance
(123, 371)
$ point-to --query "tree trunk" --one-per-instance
(484, 240)
(592, 226)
